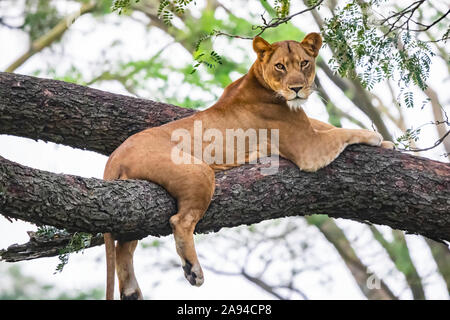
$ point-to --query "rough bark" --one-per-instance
(364, 184)
(74, 115)
(40, 246)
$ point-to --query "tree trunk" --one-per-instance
(364, 183)
(359, 271)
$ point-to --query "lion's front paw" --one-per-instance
(388, 145)
(375, 139)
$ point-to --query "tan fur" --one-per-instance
(264, 98)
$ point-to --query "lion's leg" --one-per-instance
(128, 286)
(190, 183)
(323, 126)
(325, 146)
(121, 254)
(183, 224)
(368, 137)
(193, 201)
(354, 136)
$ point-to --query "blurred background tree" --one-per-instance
(373, 72)
(17, 286)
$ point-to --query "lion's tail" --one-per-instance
(111, 173)
(110, 265)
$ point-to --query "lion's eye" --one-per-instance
(280, 66)
(304, 63)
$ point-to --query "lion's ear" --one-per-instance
(312, 43)
(261, 46)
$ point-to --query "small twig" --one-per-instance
(410, 10)
(438, 142)
(41, 246)
(3, 23)
(273, 23)
(400, 15)
(439, 40)
(433, 23)
(221, 33)
(277, 21)
(292, 288)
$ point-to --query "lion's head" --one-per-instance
(288, 67)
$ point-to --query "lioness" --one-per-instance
(269, 96)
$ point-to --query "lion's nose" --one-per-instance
(296, 89)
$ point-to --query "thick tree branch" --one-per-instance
(74, 115)
(364, 184)
(40, 246)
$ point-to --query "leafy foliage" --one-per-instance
(409, 136)
(78, 242)
(282, 8)
(41, 16)
(361, 50)
(122, 5)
